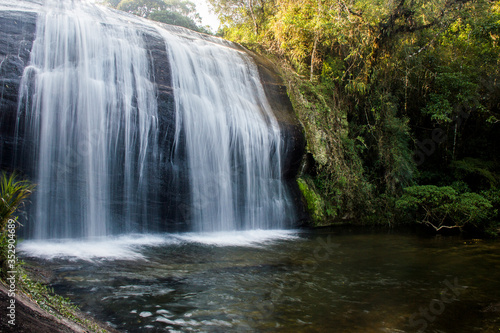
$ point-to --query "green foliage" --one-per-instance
(12, 194)
(480, 173)
(173, 18)
(333, 71)
(389, 138)
(455, 89)
(445, 207)
(141, 7)
(45, 297)
(176, 12)
(245, 19)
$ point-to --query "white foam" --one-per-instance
(122, 247)
(238, 238)
(130, 247)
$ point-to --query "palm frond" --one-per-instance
(12, 194)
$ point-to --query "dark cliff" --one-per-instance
(17, 32)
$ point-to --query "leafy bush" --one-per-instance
(445, 207)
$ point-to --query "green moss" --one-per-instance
(314, 202)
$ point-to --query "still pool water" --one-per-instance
(280, 281)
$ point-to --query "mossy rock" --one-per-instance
(315, 204)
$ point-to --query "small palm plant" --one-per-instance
(12, 194)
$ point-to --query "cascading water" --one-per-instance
(232, 138)
(89, 101)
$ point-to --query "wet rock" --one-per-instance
(17, 32)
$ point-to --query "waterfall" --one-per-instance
(89, 102)
(90, 105)
(233, 140)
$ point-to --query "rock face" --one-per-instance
(170, 194)
(293, 132)
(17, 32)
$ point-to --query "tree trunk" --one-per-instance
(313, 57)
(252, 14)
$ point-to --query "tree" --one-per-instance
(244, 20)
(176, 12)
(444, 207)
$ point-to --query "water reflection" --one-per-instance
(300, 281)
